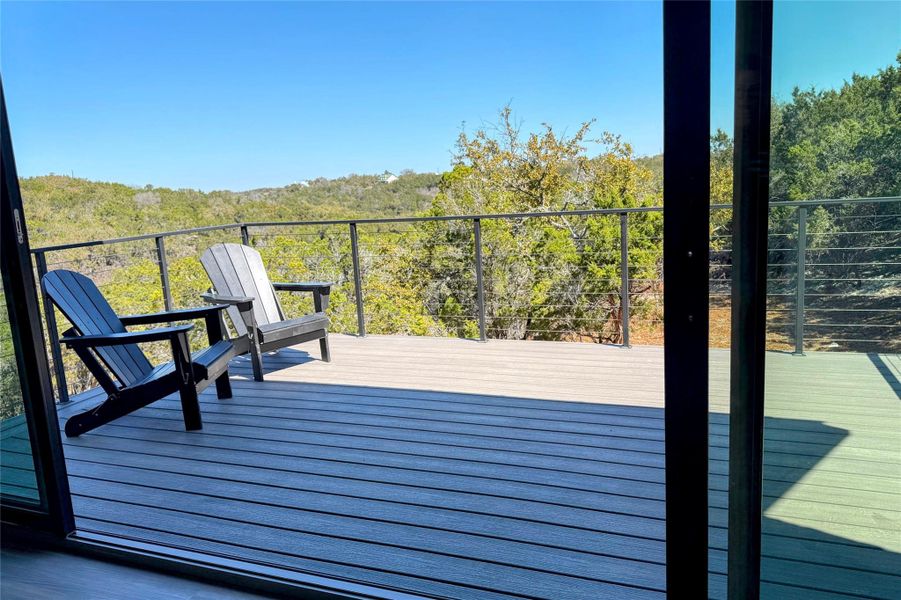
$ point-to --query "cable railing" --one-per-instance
(584, 275)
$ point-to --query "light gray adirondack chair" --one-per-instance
(239, 279)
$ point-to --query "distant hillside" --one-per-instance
(64, 209)
(655, 165)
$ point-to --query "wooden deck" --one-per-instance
(507, 469)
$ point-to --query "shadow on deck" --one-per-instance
(551, 490)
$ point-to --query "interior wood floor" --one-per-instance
(32, 572)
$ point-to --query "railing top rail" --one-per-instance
(484, 217)
(481, 217)
(135, 238)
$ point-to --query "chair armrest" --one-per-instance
(304, 286)
(321, 291)
(242, 302)
(128, 337)
(170, 316)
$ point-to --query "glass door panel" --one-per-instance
(832, 432)
(17, 472)
(33, 485)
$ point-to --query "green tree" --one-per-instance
(546, 278)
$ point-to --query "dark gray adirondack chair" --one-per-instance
(99, 336)
(240, 280)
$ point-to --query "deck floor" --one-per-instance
(508, 469)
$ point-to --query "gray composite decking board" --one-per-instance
(443, 460)
(333, 568)
(853, 557)
(20, 478)
(840, 579)
(19, 460)
(17, 442)
(411, 510)
(793, 448)
(606, 501)
(775, 590)
(772, 433)
(17, 476)
(388, 535)
(545, 535)
(875, 500)
(378, 432)
(449, 405)
(502, 427)
(22, 492)
(12, 423)
(13, 426)
(605, 457)
(558, 421)
(474, 502)
(607, 521)
(324, 546)
(635, 379)
(325, 464)
(391, 443)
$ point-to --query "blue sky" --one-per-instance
(237, 96)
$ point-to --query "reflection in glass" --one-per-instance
(17, 477)
(832, 452)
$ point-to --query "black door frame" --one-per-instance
(686, 183)
(686, 243)
(753, 68)
(54, 512)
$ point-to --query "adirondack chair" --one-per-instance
(240, 280)
(111, 353)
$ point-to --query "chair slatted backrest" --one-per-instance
(78, 298)
(237, 270)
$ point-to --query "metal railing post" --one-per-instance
(480, 286)
(799, 281)
(52, 333)
(245, 235)
(624, 276)
(164, 273)
(358, 281)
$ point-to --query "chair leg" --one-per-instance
(256, 360)
(190, 407)
(187, 385)
(323, 347)
(223, 386)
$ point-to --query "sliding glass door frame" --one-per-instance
(687, 37)
(686, 242)
(53, 513)
(753, 69)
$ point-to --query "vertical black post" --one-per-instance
(358, 280)
(56, 353)
(624, 276)
(753, 58)
(480, 286)
(799, 281)
(686, 222)
(164, 272)
(245, 235)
